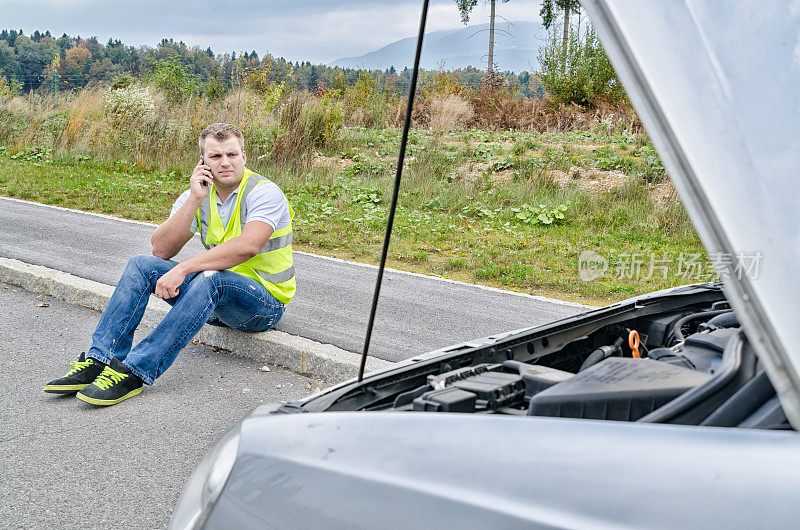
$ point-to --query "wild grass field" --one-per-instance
(495, 191)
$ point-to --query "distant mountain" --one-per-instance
(516, 48)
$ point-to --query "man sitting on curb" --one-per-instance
(243, 281)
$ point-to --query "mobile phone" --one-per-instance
(203, 161)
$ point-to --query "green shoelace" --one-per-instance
(77, 366)
(108, 377)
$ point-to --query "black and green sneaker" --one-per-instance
(82, 373)
(115, 383)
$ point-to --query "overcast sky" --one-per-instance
(316, 30)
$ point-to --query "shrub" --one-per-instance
(246, 108)
(450, 112)
(173, 78)
(365, 103)
(122, 81)
(308, 123)
(587, 78)
(214, 90)
(129, 104)
(322, 119)
(8, 89)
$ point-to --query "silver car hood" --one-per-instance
(715, 84)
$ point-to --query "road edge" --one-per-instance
(298, 354)
(426, 276)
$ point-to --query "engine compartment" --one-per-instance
(676, 358)
(597, 378)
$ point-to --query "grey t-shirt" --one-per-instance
(265, 203)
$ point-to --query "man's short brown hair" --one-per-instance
(221, 132)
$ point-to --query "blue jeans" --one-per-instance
(220, 297)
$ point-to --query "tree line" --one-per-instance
(42, 62)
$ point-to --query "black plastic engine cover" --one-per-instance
(493, 389)
(471, 388)
(539, 378)
(616, 389)
(446, 400)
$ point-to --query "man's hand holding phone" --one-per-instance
(201, 179)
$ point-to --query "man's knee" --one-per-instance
(207, 279)
(147, 266)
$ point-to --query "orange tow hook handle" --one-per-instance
(633, 342)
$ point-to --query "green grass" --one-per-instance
(457, 215)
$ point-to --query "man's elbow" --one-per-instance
(250, 248)
(158, 250)
(159, 253)
(252, 251)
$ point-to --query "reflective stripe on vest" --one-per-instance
(254, 267)
(275, 243)
(278, 277)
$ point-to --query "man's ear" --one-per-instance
(244, 156)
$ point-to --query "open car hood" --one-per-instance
(715, 85)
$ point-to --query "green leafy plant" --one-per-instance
(32, 154)
(541, 214)
(503, 163)
(606, 159)
(122, 81)
(483, 152)
(651, 168)
(367, 196)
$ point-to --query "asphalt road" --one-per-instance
(69, 465)
(416, 313)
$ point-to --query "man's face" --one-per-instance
(226, 159)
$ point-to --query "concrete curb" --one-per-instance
(298, 354)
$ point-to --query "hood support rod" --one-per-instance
(403, 139)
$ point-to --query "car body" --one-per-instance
(564, 425)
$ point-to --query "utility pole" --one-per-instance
(54, 74)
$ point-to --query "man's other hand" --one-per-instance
(201, 180)
(167, 285)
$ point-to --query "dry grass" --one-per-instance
(450, 112)
(307, 123)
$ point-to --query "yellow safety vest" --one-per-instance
(272, 267)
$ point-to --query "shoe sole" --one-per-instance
(64, 389)
(106, 402)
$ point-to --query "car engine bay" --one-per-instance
(655, 361)
(609, 383)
